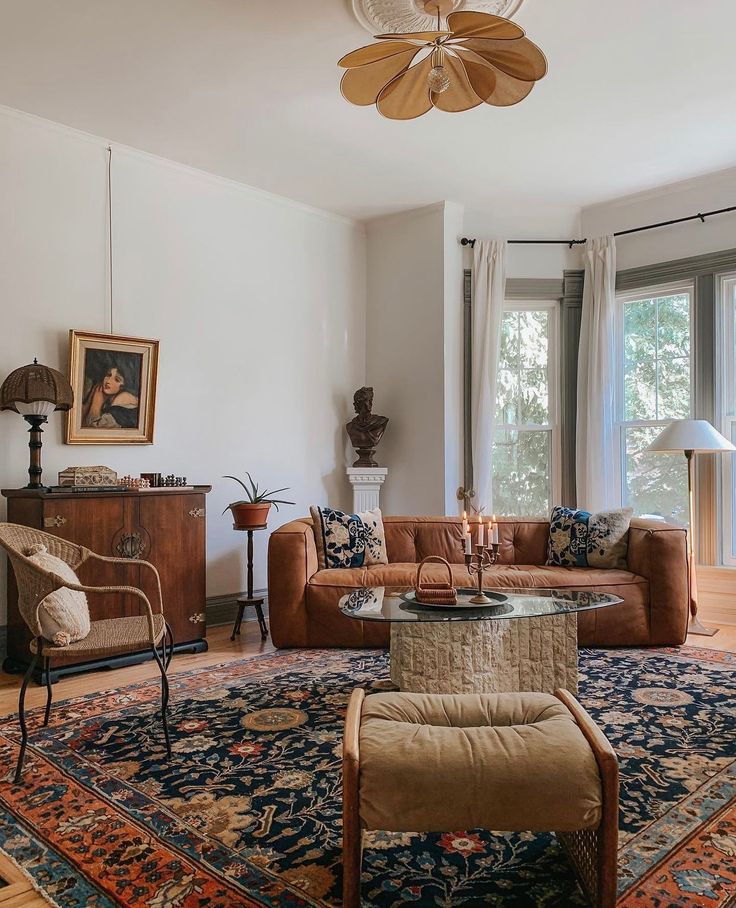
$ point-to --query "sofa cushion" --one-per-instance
(582, 539)
(521, 576)
(411, 539)
(348, 540)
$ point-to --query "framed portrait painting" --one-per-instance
(114, 382)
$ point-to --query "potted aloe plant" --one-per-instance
(252, 511)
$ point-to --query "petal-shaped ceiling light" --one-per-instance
(478, 58)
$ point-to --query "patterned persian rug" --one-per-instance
(248, 810)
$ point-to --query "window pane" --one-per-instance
(656, 483)
(673, 318)
(640, 390)
(656, 346)
(533, 338)
(534, 397)
(674, 389)
(640, 330)
(522, 478)
(507, 397)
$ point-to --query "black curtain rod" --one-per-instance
(465, 241)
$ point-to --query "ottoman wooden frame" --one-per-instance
(592, 851)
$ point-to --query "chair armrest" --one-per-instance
(134, 561)
(658, 552)
(81, 588)
(607, 762)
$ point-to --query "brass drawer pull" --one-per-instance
(56, 521)
(197, 512)
(198, 618)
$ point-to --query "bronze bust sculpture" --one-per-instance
(366, 429)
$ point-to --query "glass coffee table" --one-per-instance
(525, 640)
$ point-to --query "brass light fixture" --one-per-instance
(478, 58)
(35, 391)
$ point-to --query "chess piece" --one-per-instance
(366, 429)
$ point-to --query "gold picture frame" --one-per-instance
(114, 381)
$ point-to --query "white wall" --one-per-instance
(259, 304)
(529, 221)
(677, 200)
(405, 355)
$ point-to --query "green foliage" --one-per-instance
(656, 387)
(521, 458)
(256, 495)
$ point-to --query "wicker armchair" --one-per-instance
(107, 637)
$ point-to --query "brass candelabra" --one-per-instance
(479, 561)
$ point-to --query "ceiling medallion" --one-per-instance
(477, 58)
(411, 16)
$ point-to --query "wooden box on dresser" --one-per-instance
(163, 526)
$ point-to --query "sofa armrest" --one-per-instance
(658, 552)
(292, 560)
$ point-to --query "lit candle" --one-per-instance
(468, 544)
(494, 531)
(466, 528)
(481, 531)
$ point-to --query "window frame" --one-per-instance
(671, 288)
(554, 428)
(726, 395)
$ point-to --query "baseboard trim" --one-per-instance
(224, 609)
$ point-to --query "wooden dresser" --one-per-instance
(163, 526)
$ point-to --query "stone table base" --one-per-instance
(462, 657)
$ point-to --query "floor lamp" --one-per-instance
(689, 437)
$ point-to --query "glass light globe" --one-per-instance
(438, 80)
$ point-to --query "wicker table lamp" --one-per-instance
(35, 391)
(688, 437)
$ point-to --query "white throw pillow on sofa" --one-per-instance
(64, 614)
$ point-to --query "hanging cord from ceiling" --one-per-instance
(701, 216)
(109, 237)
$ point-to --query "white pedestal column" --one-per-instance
(366, 483)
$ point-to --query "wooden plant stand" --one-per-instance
(249, 598)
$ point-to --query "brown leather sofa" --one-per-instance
(303, 600)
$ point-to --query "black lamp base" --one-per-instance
(35, 444)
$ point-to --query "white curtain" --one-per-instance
(489, 286)
(595, 443)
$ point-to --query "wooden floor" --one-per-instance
(220, 650)
(19, 892)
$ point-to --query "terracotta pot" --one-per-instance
(248, 516)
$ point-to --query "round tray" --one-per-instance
(463, 600)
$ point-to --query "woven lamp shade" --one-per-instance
(34, 383)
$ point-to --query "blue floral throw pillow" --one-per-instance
(581, 539)
(348, 540)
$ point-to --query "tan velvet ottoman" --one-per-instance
(505, 762)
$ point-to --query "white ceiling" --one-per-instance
(639, 94)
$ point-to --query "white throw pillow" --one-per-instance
(64, 614)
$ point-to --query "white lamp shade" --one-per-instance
(35, 407)
(689, 435)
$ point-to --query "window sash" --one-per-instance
(551, 307)
(622, 424)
